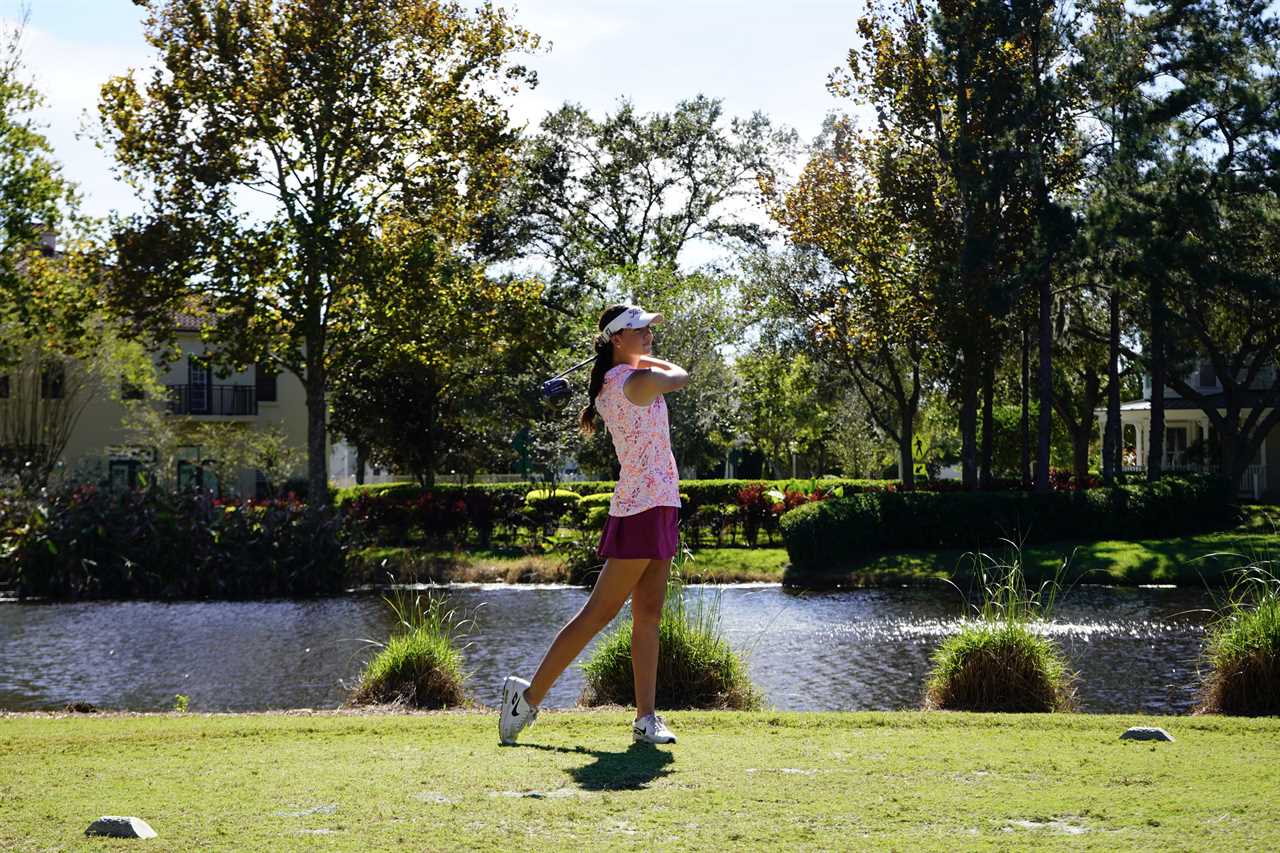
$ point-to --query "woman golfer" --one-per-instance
(639, 538)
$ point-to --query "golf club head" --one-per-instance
(556, 391)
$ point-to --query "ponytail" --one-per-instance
(603, 363)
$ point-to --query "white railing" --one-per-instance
(1252, 482)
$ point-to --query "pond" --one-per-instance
(1135, 649)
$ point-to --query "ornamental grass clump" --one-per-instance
(1243, 651)
(696, 666)
(420, 665)
(997, 662)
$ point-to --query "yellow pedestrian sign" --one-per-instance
(919, 453)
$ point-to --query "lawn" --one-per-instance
(905, 781)
(1196, 560)
(1189, 560)
(1186, 561)
(710, 565)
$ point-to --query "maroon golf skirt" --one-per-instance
(652, 534)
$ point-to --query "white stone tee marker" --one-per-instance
(1146, 733)
(121, 827)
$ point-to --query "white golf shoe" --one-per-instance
(651, 729)
(516, 713)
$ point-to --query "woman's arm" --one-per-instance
(654, 377)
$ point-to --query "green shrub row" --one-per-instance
(842, 529)
(87, 542)
(700, 492)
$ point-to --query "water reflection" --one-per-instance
(1135, 649)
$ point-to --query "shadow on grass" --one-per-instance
(629, 770)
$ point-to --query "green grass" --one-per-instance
(1244, 645)
(997, 662)
(1186, 561)
(710, 565)
(696, 666)
(420, 664)
(904, 781)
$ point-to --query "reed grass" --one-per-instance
(696, 666)
(1243, 649)
(420, 664)
(997, 661)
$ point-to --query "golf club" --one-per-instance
(556, 389)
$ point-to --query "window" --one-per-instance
(1208, 378)
(199, 379)
(265, 382)
(1175, 445)
(52, 382)
(4, 385)
(124, 474)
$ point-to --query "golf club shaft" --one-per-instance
(575, 367)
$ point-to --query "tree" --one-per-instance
(58, 349)
(869, 311)
(781, 410)
(442, 359)
(1202, 218)
(327, 115)
(631, 190)
(947, 87)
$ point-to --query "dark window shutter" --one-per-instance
(4, 385)
(265, 381)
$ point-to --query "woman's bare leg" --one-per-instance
(617, 579)
(646, 613)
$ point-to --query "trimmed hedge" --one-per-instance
(700, 492)
(86, 543)
(842, 529)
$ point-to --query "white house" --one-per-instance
(1190, 442)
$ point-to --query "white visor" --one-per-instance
(633, 318)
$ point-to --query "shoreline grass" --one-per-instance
(905, 780)
(709, 565)
(1185, 561)
(1196, 560)
(697, 668)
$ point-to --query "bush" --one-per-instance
(997, 663)
(420, 664)
(1243, 650)
(998, 667)
(696, 666)
(846, 528)
(89, 543)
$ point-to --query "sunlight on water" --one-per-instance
(1135, 649)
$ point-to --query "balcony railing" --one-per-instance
(212, 400)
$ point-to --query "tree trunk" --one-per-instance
(1026, 410)
(905, 457)
(969, 420)
(908, 405)
(1113, 440)
(988, 390)
(362, 458)
(1080, 445)
(317, 464)
(1155, 444)
(1045, 426)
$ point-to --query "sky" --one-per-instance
(754, 54)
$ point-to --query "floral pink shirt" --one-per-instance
(642, 439)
